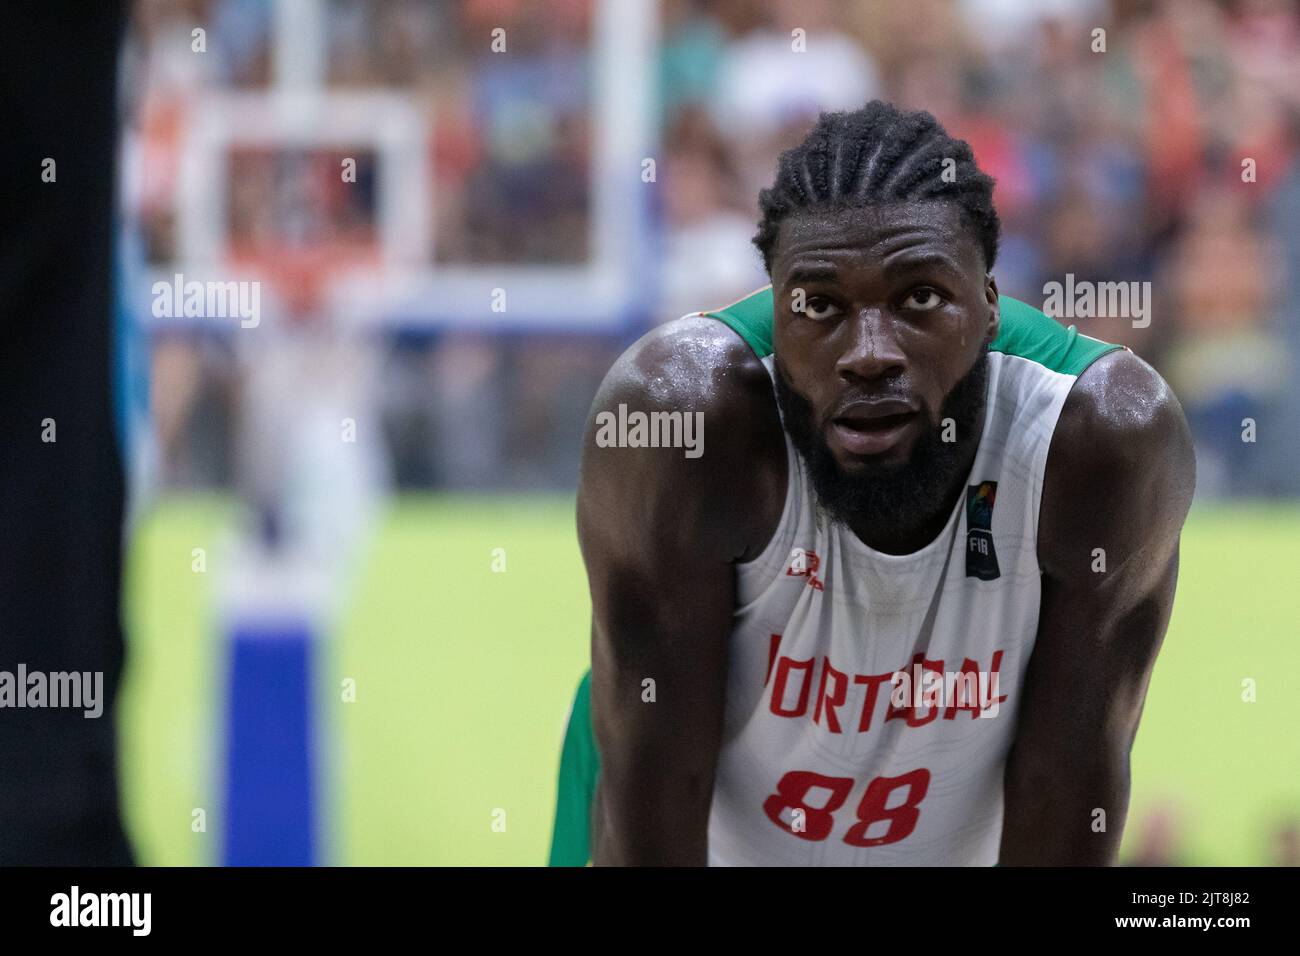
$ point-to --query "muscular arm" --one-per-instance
(659, 533)
(1119, 478)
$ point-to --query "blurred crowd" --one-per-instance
(1132, 140)
(1161, 835)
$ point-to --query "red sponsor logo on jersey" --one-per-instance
(804, 564)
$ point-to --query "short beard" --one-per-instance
(891, 500)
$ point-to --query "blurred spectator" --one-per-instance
(1225, 366)
(1158, 840)
(765, 79)
(708, 258)
(1287, 849)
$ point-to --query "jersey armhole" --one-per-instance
(791, 491)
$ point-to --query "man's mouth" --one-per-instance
(867, 429)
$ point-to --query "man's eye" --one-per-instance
(923, 300)
(819, 307)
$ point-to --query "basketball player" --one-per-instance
(904, 607)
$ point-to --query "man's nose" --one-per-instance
(871, 349)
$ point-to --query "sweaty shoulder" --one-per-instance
(1120, 468)
(685, 426)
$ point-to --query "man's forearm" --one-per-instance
(1065, 818)
(652, 823)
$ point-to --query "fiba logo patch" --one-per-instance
(981, 559)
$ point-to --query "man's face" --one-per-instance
(882, 320)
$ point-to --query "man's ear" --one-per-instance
(995, 307)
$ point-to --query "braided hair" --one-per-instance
(874, 155)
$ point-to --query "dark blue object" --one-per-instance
(270, 781)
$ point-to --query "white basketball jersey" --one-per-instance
(828, 757)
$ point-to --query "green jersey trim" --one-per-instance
(1024, 331)
(579, 766)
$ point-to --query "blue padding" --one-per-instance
(270, 786)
